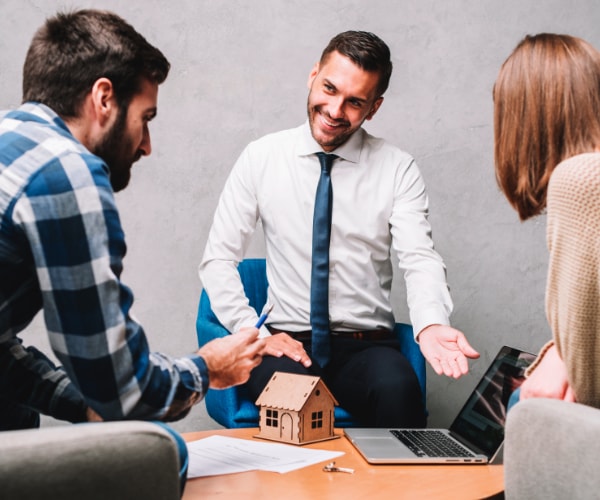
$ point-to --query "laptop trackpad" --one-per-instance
(383, 448)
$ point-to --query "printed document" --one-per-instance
(218, 455)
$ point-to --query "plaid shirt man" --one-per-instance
(61, 250)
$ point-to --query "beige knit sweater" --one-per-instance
(573, 288)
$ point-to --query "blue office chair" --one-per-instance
(233, 407)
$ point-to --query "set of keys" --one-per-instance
(330, 467)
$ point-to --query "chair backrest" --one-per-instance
(91, 461)
(412, 352)
(253, 273)
(232, 407)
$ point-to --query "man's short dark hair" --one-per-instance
(367, 51)
(73, 50)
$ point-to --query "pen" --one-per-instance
(264, 316)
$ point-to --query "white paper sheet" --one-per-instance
(218, 455)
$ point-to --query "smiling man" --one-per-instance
(90, 88)
(330, 269)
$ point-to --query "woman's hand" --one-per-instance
(549, 379)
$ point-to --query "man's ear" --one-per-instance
(375, 107)
(103, 100)
(311, 76)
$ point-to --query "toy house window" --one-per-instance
(272, 418)
(317, 420)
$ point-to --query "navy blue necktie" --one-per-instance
(319, 280)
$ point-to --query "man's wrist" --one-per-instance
(417, 337)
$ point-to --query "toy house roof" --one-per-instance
(290, 391)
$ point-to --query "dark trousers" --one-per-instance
(370, 379)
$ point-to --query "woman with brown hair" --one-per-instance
(547, 157)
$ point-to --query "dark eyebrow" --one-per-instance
(329, 82)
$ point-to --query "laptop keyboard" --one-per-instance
(430, 443)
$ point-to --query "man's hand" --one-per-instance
(92, 416)
(281, 344)
(230, 359)
(446, 349)
(548, 379)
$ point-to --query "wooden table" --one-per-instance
(368, 481)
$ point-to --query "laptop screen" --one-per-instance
(481, 420)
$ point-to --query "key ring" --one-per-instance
(330, 467)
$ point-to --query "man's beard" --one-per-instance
(116, 150)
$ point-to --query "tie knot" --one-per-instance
(326, 160)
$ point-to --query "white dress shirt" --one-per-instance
(379, 208)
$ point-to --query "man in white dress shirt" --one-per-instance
(380, 209)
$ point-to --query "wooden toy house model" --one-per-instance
(296, 409)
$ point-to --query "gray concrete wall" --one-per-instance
(239, 70)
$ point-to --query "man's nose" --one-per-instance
(146, 144)
(336, 108)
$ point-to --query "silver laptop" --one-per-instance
(475, 437)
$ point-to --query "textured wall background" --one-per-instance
(239, 70)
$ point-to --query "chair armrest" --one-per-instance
(551, 450)
(116, 460)
(231, 408)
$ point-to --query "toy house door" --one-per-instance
(286, 429)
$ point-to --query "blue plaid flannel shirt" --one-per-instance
(61, 250)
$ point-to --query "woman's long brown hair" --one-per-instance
(546, 109)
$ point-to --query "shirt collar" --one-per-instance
(42, 112)
(349, 151)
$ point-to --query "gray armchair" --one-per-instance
(112, 460)
(551, 451)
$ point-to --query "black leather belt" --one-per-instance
(380, 334)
